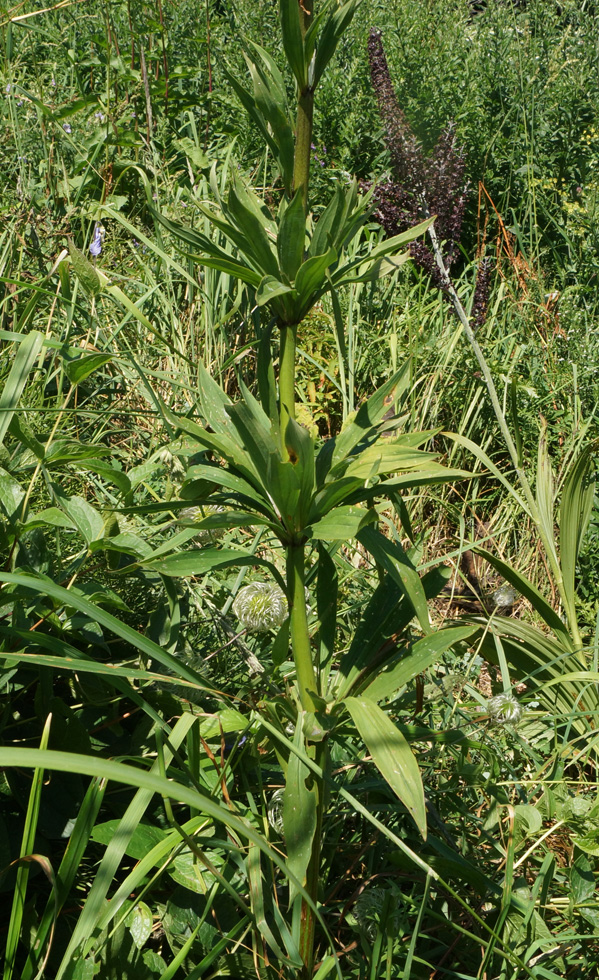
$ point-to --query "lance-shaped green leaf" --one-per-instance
(268, 109)
(544, 486)
(204, 477)
(208, 252)
(199, 561)
(300, 449)
(23, 363)
(386, 456)
(530, 592)
(284, 489)
(336, 24)
(381, 630)
(86, 273)
(299, 813)
(368, 416)
(575, 511)
(291, 238)
(271, 289)
(40, 584)
(332, 495)
(245, 212)
(371, 271)
(81, 369)
(327, 592)
(391, 755)
(391, 556)
(254, 434)
(341, 524)
(293, 42)
(408, 664)
(312, 281)
(341, 220)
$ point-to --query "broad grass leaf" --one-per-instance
(14, 385)
(138, 844)
(50, 517)
(11, 496)
(482, 456)
(391, 754)
(574, 512)
(86, 518)
(140, 923)
(80, 369)
(84, 270)
(530, 592)
(582, 880)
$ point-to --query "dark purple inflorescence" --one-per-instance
(422, 185)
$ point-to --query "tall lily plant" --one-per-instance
(273, 476)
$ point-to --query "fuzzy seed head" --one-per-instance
(504, 596)
(504, 709)
(260, 606)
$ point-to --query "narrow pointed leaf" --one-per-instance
(391, 755)
(423, 654)
(575, 511)
(299, 814)
(17, 378)
(292, 237)
(391, 556)
(293, 42)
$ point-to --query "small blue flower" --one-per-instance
(67, 127)
(96, 243)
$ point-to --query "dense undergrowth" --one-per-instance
(299, 641)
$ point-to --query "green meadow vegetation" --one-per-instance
(299, 588)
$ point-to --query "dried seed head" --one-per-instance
(260, 606)
(504, 709)
(196, 514)
(505, 596)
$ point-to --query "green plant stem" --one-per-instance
(303, 141)
(300, 634)
(287, 380)
(304, 119)
(533, 509)
(307, 914)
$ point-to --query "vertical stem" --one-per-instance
(307, 684)
(307, 917)
(305, 114)
(287, 380)
(303, 143)
(300, 634)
